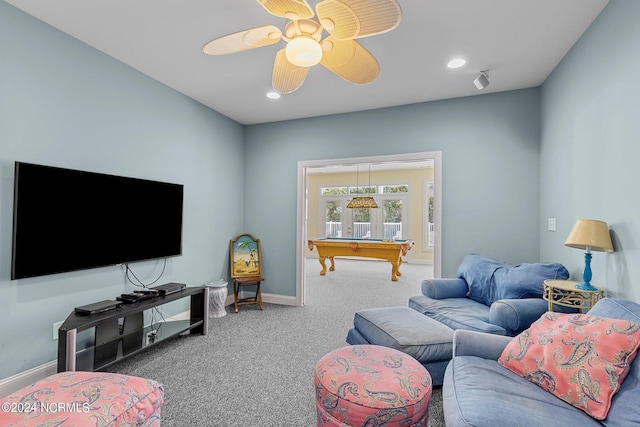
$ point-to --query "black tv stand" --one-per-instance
(121, 333)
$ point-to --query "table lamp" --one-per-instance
(591, 235)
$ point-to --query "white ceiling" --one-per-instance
(519, 41)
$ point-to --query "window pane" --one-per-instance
(395, 189)
(392, 219)
(429, 226)
(333, 191)
(363, 190)
(333, 218)
(361, 223)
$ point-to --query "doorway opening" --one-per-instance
(415, 214)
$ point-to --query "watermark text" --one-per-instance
(45, 407)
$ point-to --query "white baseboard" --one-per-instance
(269, 298)
(279, 299)
(419, 262)
(26, 378)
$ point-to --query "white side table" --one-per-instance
(217, 298)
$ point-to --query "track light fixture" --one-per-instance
(482, 80)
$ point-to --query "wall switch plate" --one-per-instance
(56, 326)
(551, 224)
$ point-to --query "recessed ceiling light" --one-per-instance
(273, 95)
(456, 63)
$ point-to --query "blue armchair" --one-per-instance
(488, 295)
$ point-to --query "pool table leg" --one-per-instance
(395, 269)
(324, 266)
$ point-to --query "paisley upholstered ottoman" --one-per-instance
(367, 385)
(85, 399)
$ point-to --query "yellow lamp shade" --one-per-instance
(590, 233)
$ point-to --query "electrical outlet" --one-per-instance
(151, 337)
(56, 326)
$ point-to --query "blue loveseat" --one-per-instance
(478, 391)
(487, 296)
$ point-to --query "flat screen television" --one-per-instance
(68, 220)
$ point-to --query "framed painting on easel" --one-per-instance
(245, 258)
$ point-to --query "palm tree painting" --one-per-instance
(245, 256)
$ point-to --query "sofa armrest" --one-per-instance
(481, 344)
(444, 288)
(516, 315)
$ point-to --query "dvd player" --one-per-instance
(169, 288)
(98, 307)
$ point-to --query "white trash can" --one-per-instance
(217, 298)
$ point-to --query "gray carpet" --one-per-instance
(255, 368)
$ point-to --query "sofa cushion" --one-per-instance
(457, 313)
(625, 410)
(404, 329)
(581, 359)
(480, 392)
(490, 280)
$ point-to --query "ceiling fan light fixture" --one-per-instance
(345, 20)
(303, 51)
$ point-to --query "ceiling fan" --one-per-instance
(344, 20)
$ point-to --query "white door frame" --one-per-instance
(301, 210)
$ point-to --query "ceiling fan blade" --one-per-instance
(286, 76)
(290, 9)
(349, 60)
(350, 19)
(243, 40)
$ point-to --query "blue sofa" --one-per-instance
(487, 296)
(477, 391)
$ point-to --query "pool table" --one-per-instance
(389, 250)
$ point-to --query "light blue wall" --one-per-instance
(590, 148)
(490, 156)
(63, 103)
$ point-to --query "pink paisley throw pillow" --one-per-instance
(581, 359)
